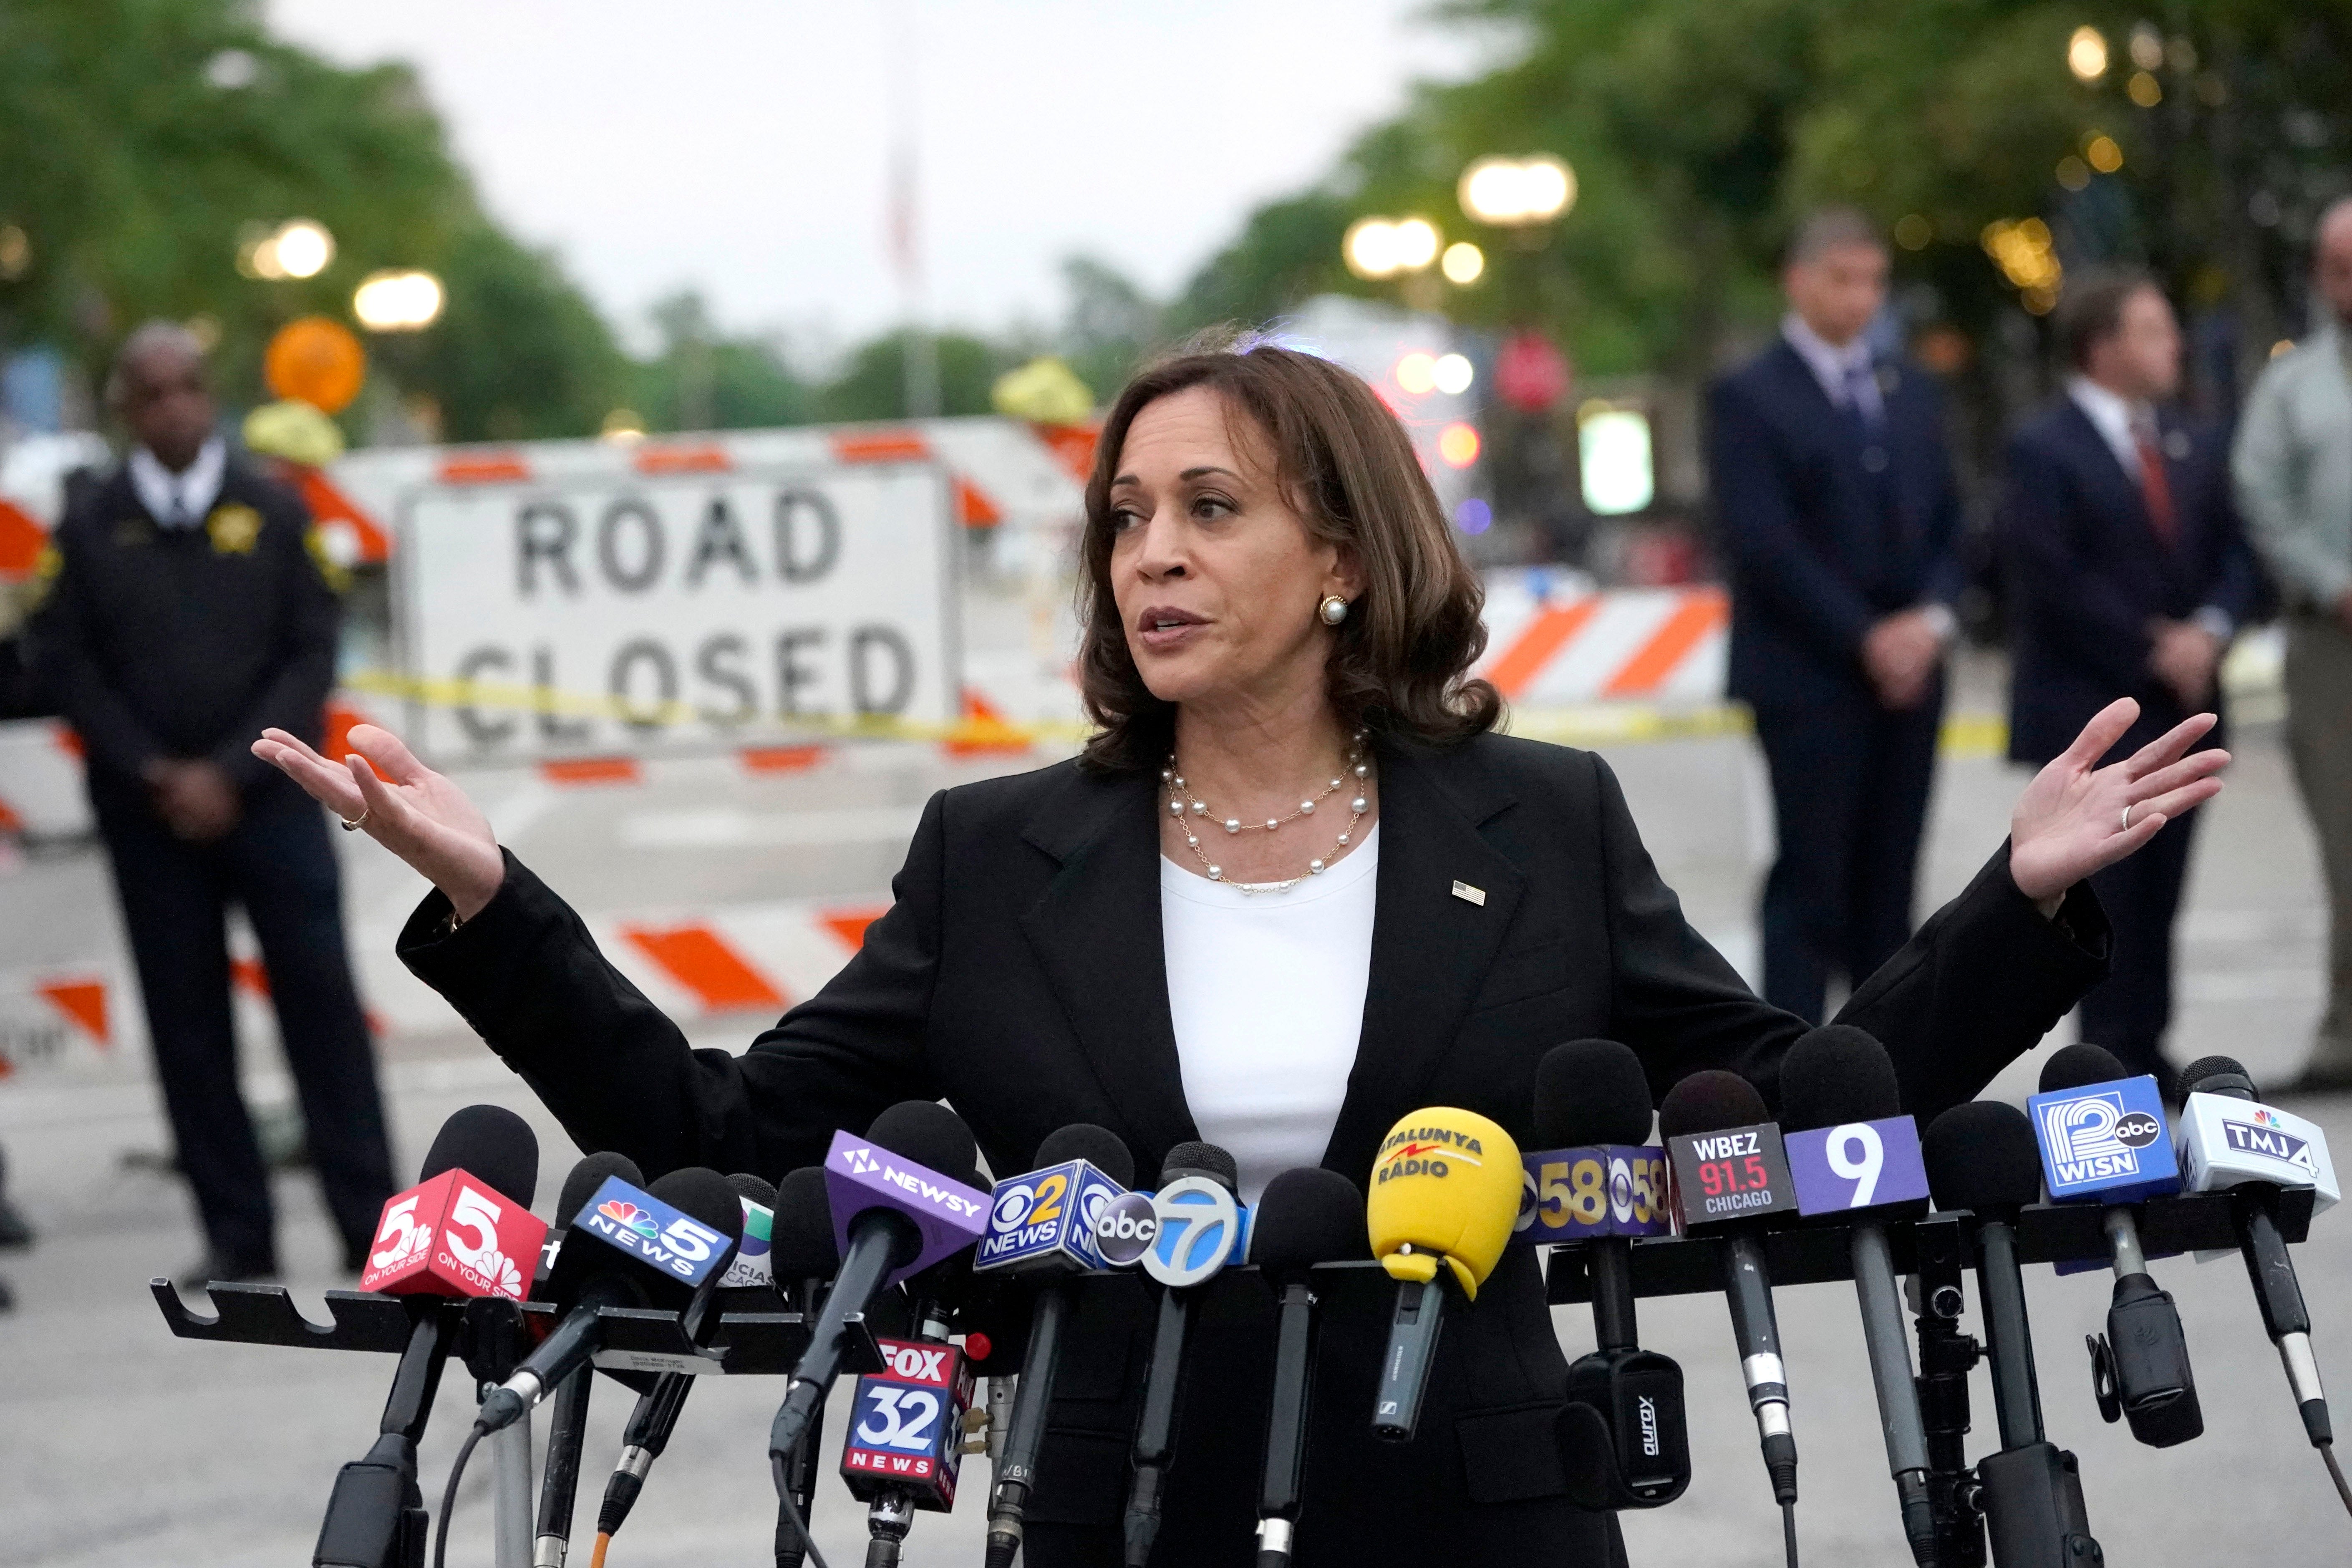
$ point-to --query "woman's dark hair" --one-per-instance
(1400, 661)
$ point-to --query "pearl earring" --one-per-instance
(1334, 610)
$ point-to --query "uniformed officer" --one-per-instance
(188, 609)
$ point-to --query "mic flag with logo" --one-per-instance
(860, 1175)
(2107, 1140)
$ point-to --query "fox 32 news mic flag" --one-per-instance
(2139, 1367)
(906, 1425)
(1445, 1197)
(2231, 1142)
(1599, 1184)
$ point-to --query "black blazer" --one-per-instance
(1020, 976)
(2087, 571)
(1814, 555)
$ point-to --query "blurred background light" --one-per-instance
(399, 301)
(622, 425)
(1416, 373)
(1913, 231)
(1416, 244)
(2147, 46)
(1612, 448)
(15, 252)
(1462, 263)
(231, 70)
(301, 248)
(2104, 153)
(1457, 444)
(317, 360)
(2086, 54)
(1453, 374)
(1511, 191)
(2072, 173)
(1370, 247)
(1473, 516)
(2144, 90)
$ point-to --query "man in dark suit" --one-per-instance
(2130, 573)
(186, 610)
(1838, 515)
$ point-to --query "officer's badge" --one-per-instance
(233, 528)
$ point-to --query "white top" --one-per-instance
(181, 500)
(1845, 372)
(1266, 992)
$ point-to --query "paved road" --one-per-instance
(120, 1445)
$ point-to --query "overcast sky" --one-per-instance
(743, 146)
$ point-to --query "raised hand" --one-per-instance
(2071, 819)
(418, 816)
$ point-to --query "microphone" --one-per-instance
(375, 1515)
(1983, 1157)
(1728, 1156)
(1445, 1192)
(747, 1286)
(1025, 1240)
(1196, 1226)
(1305, 1217)
(1853, 1152)
(1596, 1182)
(2102, 1135)
(804, 1258)
(662, 1248)
(2231, 1142)
(902, 1198)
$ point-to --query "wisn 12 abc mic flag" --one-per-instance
(2104, 1141)
(454, 1236)
(632, 1220)
(1577, 1194)
(907, 1431)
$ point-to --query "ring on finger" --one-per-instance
(2126, 820)
(353, 824)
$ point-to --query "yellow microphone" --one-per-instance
(1445, 1189)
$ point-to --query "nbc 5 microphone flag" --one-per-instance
(454, 1236)
(629, 1219)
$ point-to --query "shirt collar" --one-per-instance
(2112, 417)
(181, 500)
(1831, 365)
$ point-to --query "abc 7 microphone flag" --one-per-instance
(454, 1236)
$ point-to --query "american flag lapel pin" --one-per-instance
(1470, 895)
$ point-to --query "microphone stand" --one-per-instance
(559, 1486)
(375, 1516)
(1946, 1356)
(2032, 1488)
(801, 1470)
(891, 1514)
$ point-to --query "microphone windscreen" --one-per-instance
(1446, 1187)
(1710, 1102)
(588, 1175)
(1306, 1216)
(2218, 1075)
(492, 1143)
(1200, 1159)
(801, 1246)
(2079, 1066)
(757, 1190)
(703, 1193)
(1834, 1075)
(1590, 1091)
(1982, 1156)
(930, 1135)
(1098, 1146)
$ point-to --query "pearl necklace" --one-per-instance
(1178, 798)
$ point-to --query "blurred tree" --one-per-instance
(703, 380)
(1110, 327)
(872, 384)
(143, 142)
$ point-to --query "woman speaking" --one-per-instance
(1293, 888)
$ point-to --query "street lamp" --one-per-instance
(1513, 192)
(1384, 248)
(298, 248)
(398, 300)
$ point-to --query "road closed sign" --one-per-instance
(586, 612)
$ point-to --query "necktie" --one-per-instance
(2154, 485)
(1862, 395)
